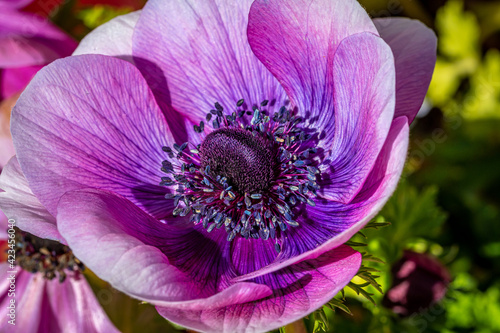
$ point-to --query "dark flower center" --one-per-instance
(247, 161)
(250, 176)
(51, 258)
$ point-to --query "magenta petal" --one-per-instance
(102, 228)
(18, 203)
(414, 47)
(113, 38)
(80, 123)
(297, 291)
(14, 80)
(345, 220)
(10, 4)
(364, 81)
(201, 56)
(27, 39)
(297, 40)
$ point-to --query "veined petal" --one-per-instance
(414, 47)
(297, 41)
(103, 228)
(201, 56)
(330, 224)
(364, 84)
(80, 123)
(27, 39)
(297, 291)
(18, 203)
(113, 38)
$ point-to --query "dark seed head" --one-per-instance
(247, 161)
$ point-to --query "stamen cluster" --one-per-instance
(218, 200)
(51, 258)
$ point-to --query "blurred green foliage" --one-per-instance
(97, 15)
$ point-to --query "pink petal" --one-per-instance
(103, 228)
(297, 291)
(113, 38)
(18, 203)
(28, 308)
(414, 47)
(80, 123)
(379, 186)
(44, 306)
(201, 56)
(76, 308)
(364, 81)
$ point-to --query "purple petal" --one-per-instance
(414, 47)
(297, 40)
(80, 123)
(27, 39)
(201, 56)
(103, 228)
(297, 291)
(364, 81)
(113, 38)
(329, 224)
(18, 203)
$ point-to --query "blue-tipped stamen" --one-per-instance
(250, 177)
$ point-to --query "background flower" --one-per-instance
(65, 302)
(419, 281)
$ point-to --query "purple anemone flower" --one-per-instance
(43, 290)
(215, 156)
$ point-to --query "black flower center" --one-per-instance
(51, 258)
(247, 161)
